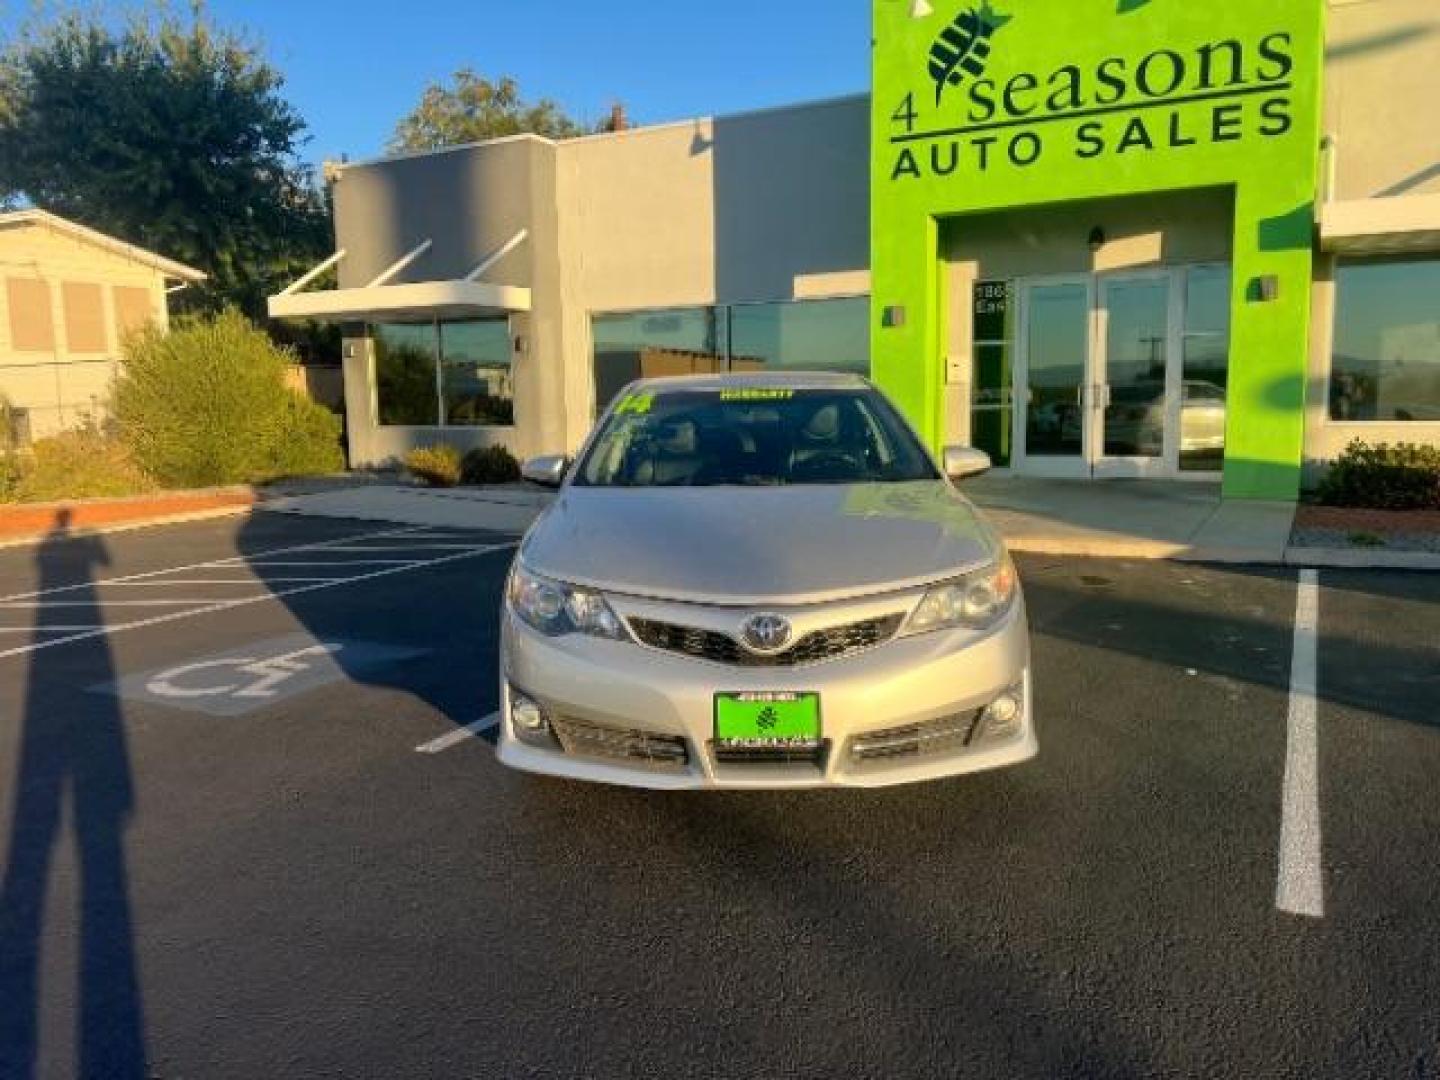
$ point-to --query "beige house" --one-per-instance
(68, 297)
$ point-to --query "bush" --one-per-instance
(489, 465)
(437, 466)
(1384, 477)
(82, 464)
(206, 404)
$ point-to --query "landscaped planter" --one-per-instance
(22, 520)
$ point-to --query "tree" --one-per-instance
(169, 133)
(473, 109)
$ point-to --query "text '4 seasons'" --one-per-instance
(1221, 92)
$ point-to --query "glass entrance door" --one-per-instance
(1052, 375)
(1123, 375)
(1135, 375)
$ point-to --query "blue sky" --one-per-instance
(355, 66)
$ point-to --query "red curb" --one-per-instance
(37, 519)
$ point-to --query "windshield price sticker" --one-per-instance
(755, 393)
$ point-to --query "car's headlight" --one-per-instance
(977, 600)
(556, 609)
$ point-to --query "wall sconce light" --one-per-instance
(920, 9)
(520, 344)
(1265, 289)
(893, 317)
(1097, 238)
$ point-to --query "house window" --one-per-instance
(444, 374)
(799, 335)
(134, 310)
(84, 318)
(1386, 363)
(32, 323)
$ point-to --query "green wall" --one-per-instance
(985, 106)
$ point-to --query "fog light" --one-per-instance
(529, 722)
(1004, 716)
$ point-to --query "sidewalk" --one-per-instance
(1112, 520)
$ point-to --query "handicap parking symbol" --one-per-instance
(268, 672)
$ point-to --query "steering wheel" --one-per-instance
(829, 463)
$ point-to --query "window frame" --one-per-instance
(720, 319)
(438, 354)
(1328, 417)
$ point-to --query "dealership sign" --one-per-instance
(970, 119)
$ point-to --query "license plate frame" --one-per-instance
(796, 721)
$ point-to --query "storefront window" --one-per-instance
(1206, 378)
(1386, 365)
(405, 374)
(992, 416)
(475, 382)
(802, 335)
(652, 344)
(447, 374)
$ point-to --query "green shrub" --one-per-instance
(82, 464)
(489, 465)
(437, 466)
(206, 404)
(1382, 476)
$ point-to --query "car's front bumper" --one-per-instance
(631, 689)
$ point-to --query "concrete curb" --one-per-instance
(1161, 551)
(27, 524)
(1347, 559)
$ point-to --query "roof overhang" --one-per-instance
(168, 267)
(1394, 226)
(459, 299)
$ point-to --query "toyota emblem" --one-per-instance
(766, 634)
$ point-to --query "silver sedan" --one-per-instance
(762, 581)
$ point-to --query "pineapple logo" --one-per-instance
(963, 47)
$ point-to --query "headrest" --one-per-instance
(677, 437)
(824, 426)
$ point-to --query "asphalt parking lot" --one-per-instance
(242, 837)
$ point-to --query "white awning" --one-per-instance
(1395, 226)
(379, 301)
(458, 299)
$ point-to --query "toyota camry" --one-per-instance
(762, 581)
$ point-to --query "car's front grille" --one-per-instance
(770, 755)
(828, 644)
(943, 736)
(584, 739)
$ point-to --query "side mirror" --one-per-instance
(548, 471)
(962, 462)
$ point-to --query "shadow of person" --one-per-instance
(72, 746)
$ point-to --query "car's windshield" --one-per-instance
(753, 436)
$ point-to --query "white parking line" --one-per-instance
(27, 605)
(157, 582)
(332, 562)
(459, 735)
(1301, 886)
(419, 531)
(227, 605)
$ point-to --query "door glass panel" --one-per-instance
(1207, 369)
(1136, 347)
(992, 415)
(1058, 330)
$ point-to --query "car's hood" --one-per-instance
(744, 546)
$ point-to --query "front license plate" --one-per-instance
(765, 719)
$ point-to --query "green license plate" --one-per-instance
(779, 719)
